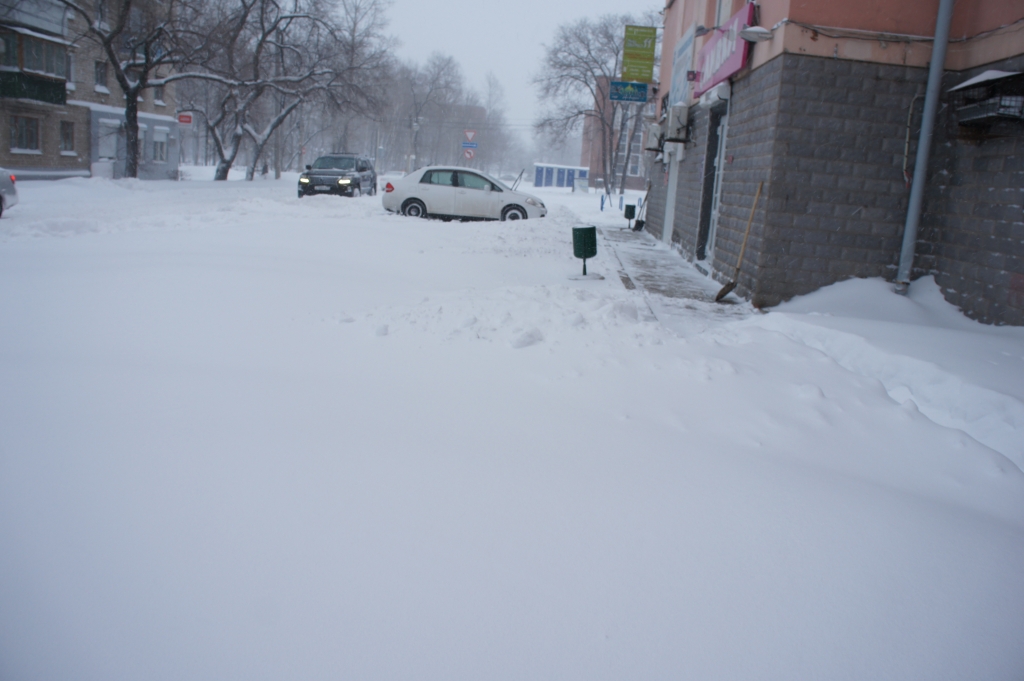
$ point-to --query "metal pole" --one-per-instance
(931, 105)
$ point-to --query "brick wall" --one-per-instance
(837, 199)
(753, 119)
(972, 228)
(828, 138)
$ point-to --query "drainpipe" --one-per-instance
(931, 105)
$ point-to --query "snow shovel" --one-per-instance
(727, 289)
(638, 225)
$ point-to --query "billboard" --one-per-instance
(638, 53)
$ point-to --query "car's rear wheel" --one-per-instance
(513, 213)
(414, 208)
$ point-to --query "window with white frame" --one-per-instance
(25, 134)
(107, 143)
(101, 74)
(724, 12)
(158, 94)
(160, 144)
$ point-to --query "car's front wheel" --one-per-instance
(414, 208)
(513, 213)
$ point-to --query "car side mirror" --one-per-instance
(309, 167)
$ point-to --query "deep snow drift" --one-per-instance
(248, 436)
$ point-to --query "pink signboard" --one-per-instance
(724, 53)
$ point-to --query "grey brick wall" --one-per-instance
(972, 228)
(753, 118)
(837, 200)
(828, 139)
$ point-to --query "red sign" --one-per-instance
(724, 53)
(469, 154)
(470, 134)
(185, 119)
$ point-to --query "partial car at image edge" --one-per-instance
(8, 190)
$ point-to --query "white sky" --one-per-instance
(486, 36)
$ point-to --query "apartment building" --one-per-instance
(63, 107)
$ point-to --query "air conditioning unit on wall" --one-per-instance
(654, 137)
(676, 124)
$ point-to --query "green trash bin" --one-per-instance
(584, 244)
(630, 211)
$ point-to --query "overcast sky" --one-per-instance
(488, 36)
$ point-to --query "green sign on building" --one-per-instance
(638, 53)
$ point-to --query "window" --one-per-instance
(9, 49)
(69, 70)
(158, 94)
(442, 177)
(101, 74)
(160, 144)
(24, 133)
(724, 12)
(43, 57)
(108, 139)
(471, 181)
(67, 136)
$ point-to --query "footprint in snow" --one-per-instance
(527, 338)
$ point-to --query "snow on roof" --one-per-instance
(991, 74)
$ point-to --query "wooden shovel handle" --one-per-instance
(750, 221)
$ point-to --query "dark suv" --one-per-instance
(341, 174)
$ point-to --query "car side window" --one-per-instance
(471, 181)
(441, 177)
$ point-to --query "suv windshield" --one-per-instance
(334, 163)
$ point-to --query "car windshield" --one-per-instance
(334, 163)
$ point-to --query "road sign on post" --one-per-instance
(638, 53)
(470, 145)
(470, 134)
(469, 154)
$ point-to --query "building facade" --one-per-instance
(824, 116)
(62, 106)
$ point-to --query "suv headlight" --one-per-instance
(345, 180)
(304, 180)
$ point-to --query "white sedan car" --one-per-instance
(460, 193)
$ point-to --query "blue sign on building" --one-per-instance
(623, 91)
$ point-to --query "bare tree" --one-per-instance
(575, 84)
(256, 48)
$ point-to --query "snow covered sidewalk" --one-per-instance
(247, 436)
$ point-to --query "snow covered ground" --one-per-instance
(244, 435)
